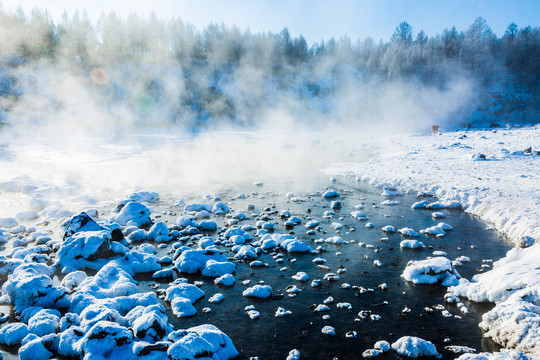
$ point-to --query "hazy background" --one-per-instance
(135, 97)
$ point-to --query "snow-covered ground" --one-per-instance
(494, 175)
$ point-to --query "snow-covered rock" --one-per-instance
(192, 261)
(81, 248)
(414, 347)
(133, 213)
(200, 342)
(258, 291)
(431, 271)
(408, 232)
(411, 244)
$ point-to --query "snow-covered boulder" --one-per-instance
(330, 194)
(143, 196)
(102, 339)
(30, 285)
(408, 232)
(203, 341)
(44, 322)
(132, 213)
(295, 245)
(184, 290)
(258, 291)
(150, 321)
(246, 252)
(112, 280)
(78, 223)
(13, 334)
(78, 250)
(8, 222)
(215, 268)
(225, 280)
(197, 207)
(391, 191)
(414, 347)
(192, 261)
(431, 271)
(411, 244)
(220, 208)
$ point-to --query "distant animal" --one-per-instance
(494, 125)
(466, 125)
(435, 129)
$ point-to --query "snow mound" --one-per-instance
(110, 281)
(82, 248)
(203, 341)
(431, 271)
(258, 291)
(30, 285)
(411, 244)
(414, 347)
(192, 261)
(408, 232)
(132, 213)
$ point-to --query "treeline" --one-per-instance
(226, 72)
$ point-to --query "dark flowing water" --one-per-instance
(272, 338)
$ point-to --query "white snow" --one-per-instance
(225, 280)
(431, 271)
(328, 330)
(258, 291)
(411, 244)
(293, 355)
(408, 232)
(301, 276)
(414, 347)
(133, 213)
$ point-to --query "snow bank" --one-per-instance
(515, 322)
(518, 270)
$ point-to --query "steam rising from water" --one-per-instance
(116, 121)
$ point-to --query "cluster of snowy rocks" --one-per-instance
(98, 311)
(498, 187)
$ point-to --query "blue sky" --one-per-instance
(315, 19)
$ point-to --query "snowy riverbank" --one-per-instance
(493, 175)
